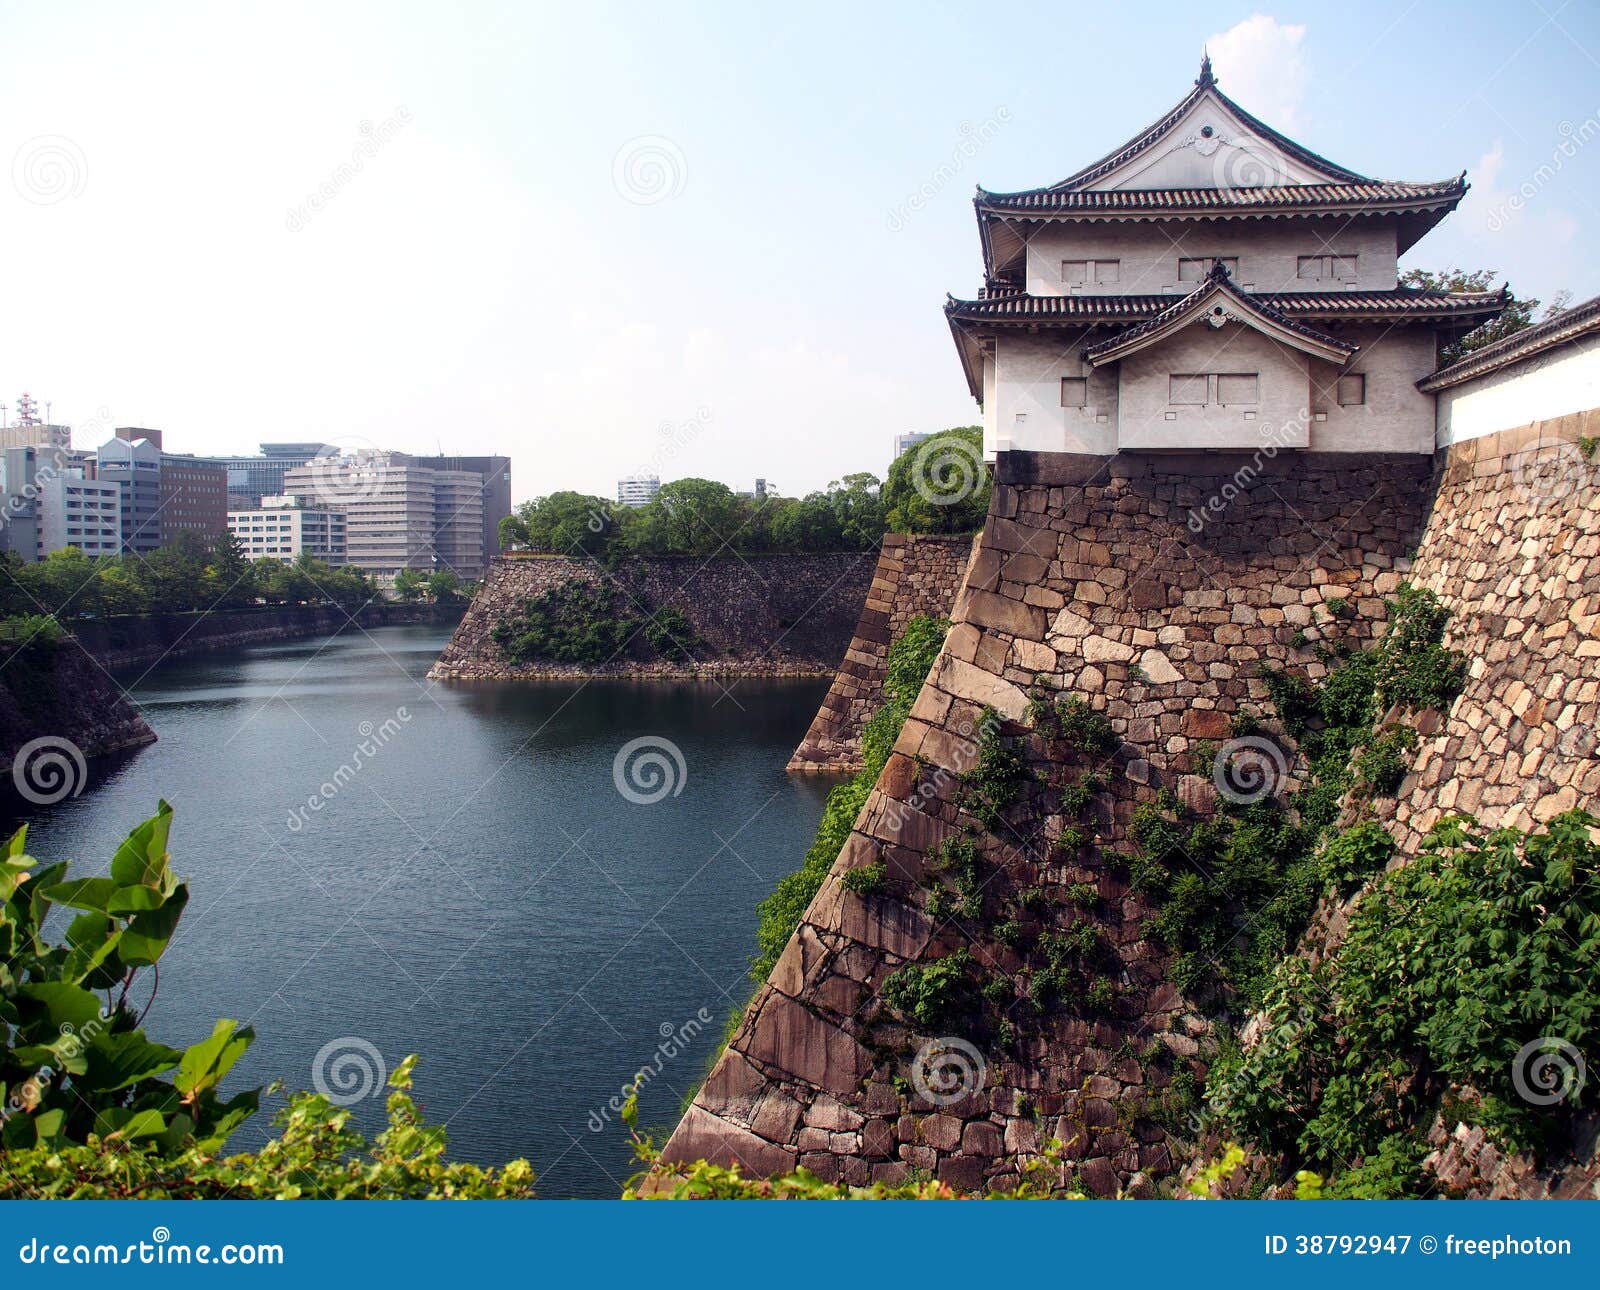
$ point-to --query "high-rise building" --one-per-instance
(287, 527)
(399, 515)
(637, 490)
(134, 465)
(496, 474)
(907, 440)
(194, 496)
(252, 478)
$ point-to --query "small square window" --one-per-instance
(1309, 266)
(1344, 266)
(1352, 389)
(1074, 391)
(1187, 388)
(1106, 271)
(1075, 272)
(1237, 388)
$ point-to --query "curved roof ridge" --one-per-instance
(1156, 131)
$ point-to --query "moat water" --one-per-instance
(382, 865)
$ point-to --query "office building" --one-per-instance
(134, 465)
(637, 490)
(194, 496)
(496, 491)
(287, 527)
(399, 515)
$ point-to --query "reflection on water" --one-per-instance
(449, 869)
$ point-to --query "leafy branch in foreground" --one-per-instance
(316, 1156)
(73, 1064)
(93, 1108)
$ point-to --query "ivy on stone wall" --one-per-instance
(589, 623)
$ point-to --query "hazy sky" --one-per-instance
(612, 236)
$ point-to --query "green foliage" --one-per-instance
(1353, 856)
(938, 996)
(957, 857)
(1381, 764)
(1518, 314)
(1077, 796)
(996, 780)
(670, 633)
(1082, 895)
(1413, 666)
(1073, 722)
(188, 575)
(910, 659)
(867, 879)
(939, 485)
(1452, 967)
(576, 621)
(74, 1065)
(316, 1156)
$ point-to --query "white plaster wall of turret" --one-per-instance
(1297, 405)
(1147, 254)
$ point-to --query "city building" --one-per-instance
(1210, 284)
(19, 499)
(252, 478)
(35, 435)
(194, 496)
(78, 511)
(496, 475)
(399, 515)
(637, 490)
(907, 440)
(134, 465)
(287, 527)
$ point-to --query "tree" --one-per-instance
(939, 485)
(566, 523)
(409, 585)
(1519, 314)
(691, 517)
(444, 587)
(230, 577)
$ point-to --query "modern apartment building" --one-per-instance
(134, 465)
(287, 527)
(399, 515)
(637, 490)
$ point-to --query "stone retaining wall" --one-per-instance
(915, 575)
(756, 615)
(65, 697)
(153, 638)
(1152, 588)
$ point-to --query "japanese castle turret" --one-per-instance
(1210, 284)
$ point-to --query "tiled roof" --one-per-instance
(1401, 302)
(1365, 194)
(1569, 325)
(1218, 286)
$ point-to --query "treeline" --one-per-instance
(938, 486)
(189, 575)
